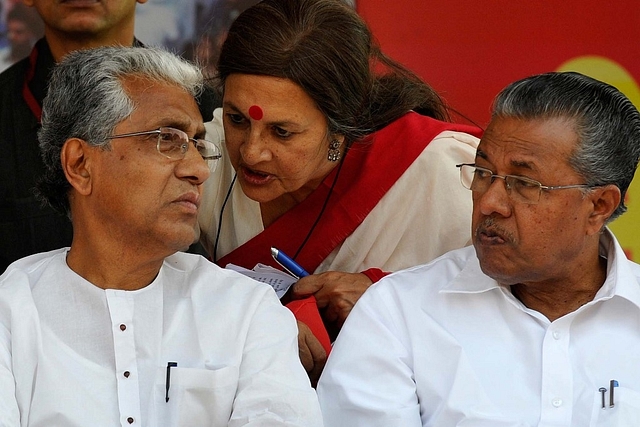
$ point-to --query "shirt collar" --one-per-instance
(623, 276)
(471, 279)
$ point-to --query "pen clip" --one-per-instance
(612, 384)
(168, 380)
(287, 270)
(603, 390)
(275, 254)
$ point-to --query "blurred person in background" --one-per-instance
(27, 226)
(23, 28)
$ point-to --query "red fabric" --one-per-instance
(307, 312)
(370, 168)
(31, 101)
(375, 274)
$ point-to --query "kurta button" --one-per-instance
(556, 402)
(556, 335)
(123, 327)
(126, 374)
(130, 420)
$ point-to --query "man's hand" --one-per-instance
(336, 293)
(312, 354)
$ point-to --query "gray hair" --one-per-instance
(86, 100)
(607, 123)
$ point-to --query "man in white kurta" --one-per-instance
(537, 323)
(122, 329)
(72, 354)
(441, 343)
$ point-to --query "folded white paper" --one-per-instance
(277, 279)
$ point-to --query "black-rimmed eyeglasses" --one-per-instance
(519, 188)
(174, 144)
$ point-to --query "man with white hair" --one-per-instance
(122, 328)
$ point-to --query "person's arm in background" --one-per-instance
(336, 293)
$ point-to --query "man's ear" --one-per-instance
(76, 164)
(606, 200)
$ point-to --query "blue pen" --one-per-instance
(288, 264)
(612, 384)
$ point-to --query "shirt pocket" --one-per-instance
(625, 412)
(197, 397)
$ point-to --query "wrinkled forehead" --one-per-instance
(541, 140)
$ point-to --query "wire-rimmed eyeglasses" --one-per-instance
(174, 144)
(519, 188)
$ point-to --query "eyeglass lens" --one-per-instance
(479, 180)
(174, 144)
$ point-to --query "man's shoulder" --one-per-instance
(634, 267)
(214, 290)
(198, 274)
(11, 81)
(426, 280)
(23, 275)
(13, 75)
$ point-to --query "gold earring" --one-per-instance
(334, 151)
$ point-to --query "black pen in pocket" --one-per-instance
(168, 381)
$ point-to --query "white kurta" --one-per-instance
(72, 354)
(444, 345)
(426, 213)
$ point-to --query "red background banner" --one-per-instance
(469, 50)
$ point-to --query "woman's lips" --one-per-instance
(255, 177)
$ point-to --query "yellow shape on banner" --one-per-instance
(626, 228)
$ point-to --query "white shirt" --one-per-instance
(72, 354)
(426, 213)
(444, 345)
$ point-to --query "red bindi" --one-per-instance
(256, 112)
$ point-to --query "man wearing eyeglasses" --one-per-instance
(537, 323)
(122, 328)
(26, 226)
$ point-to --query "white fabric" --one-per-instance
(426, 213)
(5, 58)
(444, 345)
(67, 360)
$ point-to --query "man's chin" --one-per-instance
(183, 241)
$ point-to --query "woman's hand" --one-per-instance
(312, 354)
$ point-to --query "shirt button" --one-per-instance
(123, 327)
(556, 335)
(126, 374)
(130, 420)
(557, 402)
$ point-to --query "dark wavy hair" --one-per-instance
(326, 48)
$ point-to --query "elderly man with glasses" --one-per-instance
(122, 328)
(538, 323)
